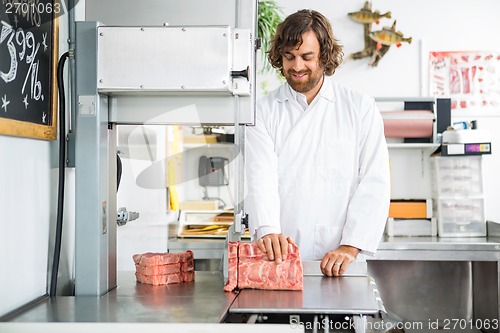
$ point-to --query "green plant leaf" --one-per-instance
(269, 15)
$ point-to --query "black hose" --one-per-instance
(118, 171)
(62, 174)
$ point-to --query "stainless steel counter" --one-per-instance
(204, 301)
(439, 249)
(200, 302)
(422, 278)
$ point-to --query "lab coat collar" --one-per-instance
(287, 93)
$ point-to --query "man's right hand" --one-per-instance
(275, 245)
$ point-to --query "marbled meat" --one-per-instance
(250, 268)
(164, 268)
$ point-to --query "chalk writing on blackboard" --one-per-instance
(28, 62)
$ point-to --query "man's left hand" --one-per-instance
(335, 262)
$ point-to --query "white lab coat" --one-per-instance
(319, 175)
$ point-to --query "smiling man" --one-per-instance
(317, 164)
(301, 67)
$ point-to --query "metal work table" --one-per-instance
(204, 301)
(462, 275)
(437, 248)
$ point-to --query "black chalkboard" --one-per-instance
(28, 68)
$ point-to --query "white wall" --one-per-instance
(25, 193)
(28, 181)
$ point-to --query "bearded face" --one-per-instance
(301, 66)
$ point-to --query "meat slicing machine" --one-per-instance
(192, 75)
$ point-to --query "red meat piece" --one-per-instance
(187, 276)
(187, 266)
(164, 268)
(252, 269)
(158, 269)
(232, 281)
(155, 258)
(157, 280)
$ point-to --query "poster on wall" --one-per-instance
(470, 78)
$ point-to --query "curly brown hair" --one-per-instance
(289, 35)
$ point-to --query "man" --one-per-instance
(316, 160)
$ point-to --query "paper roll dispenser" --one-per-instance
(420, 122)
(408, 124)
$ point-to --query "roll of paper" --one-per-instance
(408, 124)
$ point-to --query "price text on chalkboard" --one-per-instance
(28, 67)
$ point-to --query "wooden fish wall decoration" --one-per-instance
(378, 42)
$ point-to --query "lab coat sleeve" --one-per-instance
(369, 205)
(261, 169)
